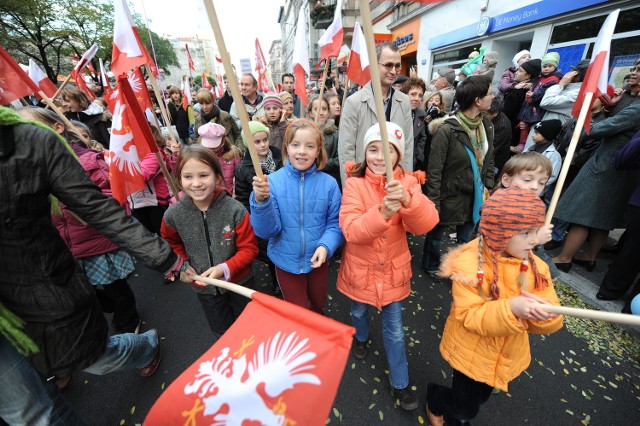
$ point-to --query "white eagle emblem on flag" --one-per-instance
(231, 382)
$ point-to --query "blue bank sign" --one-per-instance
(522, 16)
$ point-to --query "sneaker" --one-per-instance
(407, 398)
(359, 349)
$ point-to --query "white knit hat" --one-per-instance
(519, 55)
(395, 135)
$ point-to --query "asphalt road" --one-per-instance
(569, 381)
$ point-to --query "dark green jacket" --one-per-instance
(449, 173)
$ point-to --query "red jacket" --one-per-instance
(376, 262)
(82, 239)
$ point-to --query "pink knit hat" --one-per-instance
(211, 134)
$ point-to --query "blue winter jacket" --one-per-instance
(300, 215)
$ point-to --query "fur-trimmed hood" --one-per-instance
(434, 125)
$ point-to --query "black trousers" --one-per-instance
(150, 217)
(118, 298)
(624, 269)
(222, 309)
(461, 402)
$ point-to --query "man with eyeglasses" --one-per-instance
(360, 111)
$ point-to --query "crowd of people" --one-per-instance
(467, 156)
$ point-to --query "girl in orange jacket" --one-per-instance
(376, 264)
(499, 289)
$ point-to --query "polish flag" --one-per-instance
(192, 66)
(219, 86)
(301, 58)
(358, 68)
(139, 87)
(86, 58)
(331, 40)
(278, 364)
(40, 78)
(14, 81)
(261, 68)
(131, 140)
(78, 77)
(106, 86)
(205, 82)
(186, 93)
(128, 51)
(596, 78)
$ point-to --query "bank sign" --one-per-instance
(522, 16)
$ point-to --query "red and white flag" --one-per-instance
(596, 78)
(261, 68)
(128, 51)
(205, 82)
(78, 77)
(131, 140)
(186, 93)
(86, 58)
(104, 79)
(14, 81)
(192, 66)
(358, 68)
(219, 86)
(331, 40)
(40, 78)
(301, 58)
(139, 86)
(278, 364)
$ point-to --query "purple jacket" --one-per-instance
(629, 158)
(82, 239)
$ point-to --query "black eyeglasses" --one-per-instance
(390, 65)
(635, 69)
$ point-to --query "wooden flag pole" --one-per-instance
(168, 177)
(163, 110)
(615, 317)
(324, 80)
(375, 83)
(226, 285)
(584, 110)
(241, 110)
(64, 83)
(60, 114)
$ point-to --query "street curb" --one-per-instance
(587, 291)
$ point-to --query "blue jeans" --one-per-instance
(392, 335)
(26, 397)
(126, 352)
(432, 251)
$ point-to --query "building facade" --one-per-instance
(203, 50)
(450, 31)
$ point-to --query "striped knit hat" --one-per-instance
(272, 98)
(508, 212)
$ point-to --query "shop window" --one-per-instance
(587, 28)
(461, 54)
(620, 47)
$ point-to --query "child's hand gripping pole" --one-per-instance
(226, 285)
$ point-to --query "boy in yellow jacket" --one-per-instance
(499, 288)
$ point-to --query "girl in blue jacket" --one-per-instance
(296, 209)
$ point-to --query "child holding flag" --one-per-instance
(375, 216)
(296, 209)
(498, 289)
(211, 231)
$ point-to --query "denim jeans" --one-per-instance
(126, 352)
(432, 251)
(392, 335)
(26, 397)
